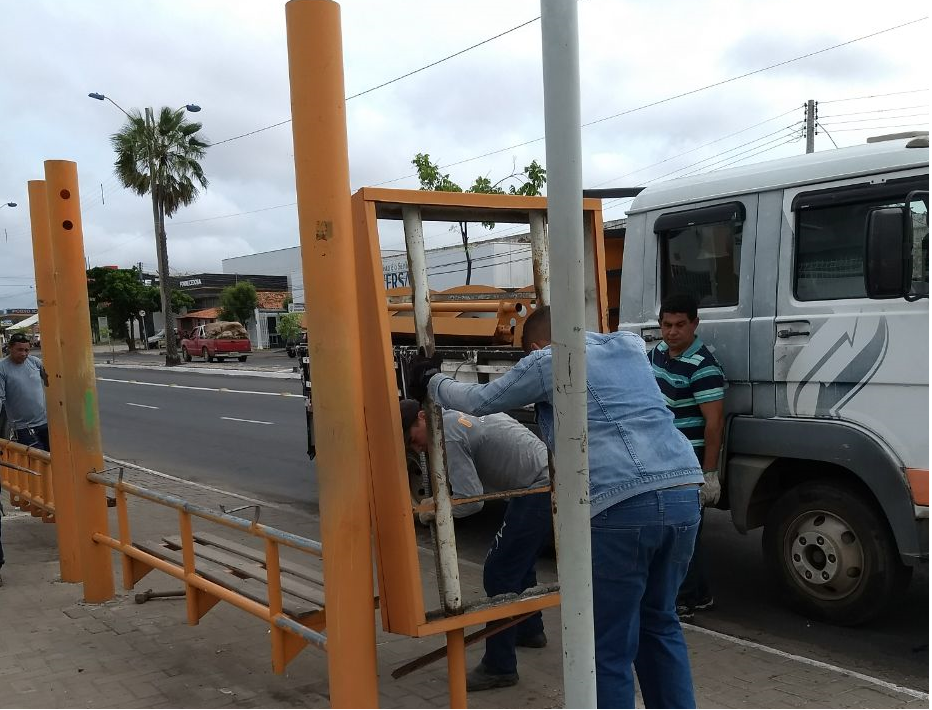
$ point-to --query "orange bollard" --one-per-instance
(61, 472)
(78, 380)
(315, 60)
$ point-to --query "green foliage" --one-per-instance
(174, 148)
(530, 182)
(119, 295)
(181, 301)
(238, 303)
(289, 327)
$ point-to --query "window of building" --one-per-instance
(701, 253)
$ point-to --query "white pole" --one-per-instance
(448, 574)
(540, 257)
(560, 36)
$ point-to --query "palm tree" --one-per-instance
(161, 158)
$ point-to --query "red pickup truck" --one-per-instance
(217, 341)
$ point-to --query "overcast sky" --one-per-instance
(230, 57)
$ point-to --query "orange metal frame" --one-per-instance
(30, 483)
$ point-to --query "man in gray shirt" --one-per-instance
(487, 455)
(22, 397)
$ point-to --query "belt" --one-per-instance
(32, 430)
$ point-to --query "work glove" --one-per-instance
(420, 370)
(426, 517)
(711, 490)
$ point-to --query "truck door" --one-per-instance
(705, 250)
(837, 353)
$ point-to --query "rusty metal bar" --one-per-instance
(280, 536)
(454, 307)
(20, 468)
(448, 574)
(314, 638)
(500, 495)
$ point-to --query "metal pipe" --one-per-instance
(448, 574)
(79, 385)
(540, 257)
(560, 41)
(315, 638)
(20, 469)
(456, 307)
(456, 667)
(500, 495)
(332, 297)
(62, 475)
(257, 529)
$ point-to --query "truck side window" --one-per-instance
(919, 212)
(831, 238)
(701, 253)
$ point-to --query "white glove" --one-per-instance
(711, 490)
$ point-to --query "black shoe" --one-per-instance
(538, 640)
(687, 611)
(479, 678)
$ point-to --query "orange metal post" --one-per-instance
(78, 383)
(315, 59)
(456, 667)
(62, 476)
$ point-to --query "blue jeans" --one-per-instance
(696, 588)
(641, 549)
(510, 567)
(36, 437)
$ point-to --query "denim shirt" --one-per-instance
(633, 445)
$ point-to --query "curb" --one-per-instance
(274, 375)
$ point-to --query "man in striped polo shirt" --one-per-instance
(693, 385)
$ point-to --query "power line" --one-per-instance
(677, 96)
(877, 118)
(876, 96)
(877, 128)
(876, 110)
(392, 81)
(235, 214)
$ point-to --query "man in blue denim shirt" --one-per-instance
(644, 493)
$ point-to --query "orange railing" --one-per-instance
(26, 473)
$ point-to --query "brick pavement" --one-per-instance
(56, 651)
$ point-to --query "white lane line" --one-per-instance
(167, 476)
(144, 406)
(202, 389)
(920, 695)
(248, 421)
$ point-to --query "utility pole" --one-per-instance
(812, 117)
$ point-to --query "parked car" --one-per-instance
(291, 347)
(158, 340)
(217, 341)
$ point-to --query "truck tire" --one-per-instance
(242, 358)
(185, 355)
(206, 354)
(832, 554)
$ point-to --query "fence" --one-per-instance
(26, 473)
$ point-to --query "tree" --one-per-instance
(120, 295)
(181, 301)
(238, 303)
(289, 327)
(161, 158)
(529, 182)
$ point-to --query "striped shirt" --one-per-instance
(693, 378)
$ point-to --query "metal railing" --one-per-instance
(202, 593)
(26, 473)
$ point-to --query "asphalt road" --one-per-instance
(244, 434)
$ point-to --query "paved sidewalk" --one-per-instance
(261, 363)
(56, 651)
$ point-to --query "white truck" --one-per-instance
(812, 278)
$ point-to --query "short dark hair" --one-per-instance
(410, 411)
(679, 303)
(19, 338)
(536, 328)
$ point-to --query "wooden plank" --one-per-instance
(252, 569)
(251, 553)
(249, 588)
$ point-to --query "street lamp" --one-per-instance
(161, 246)
(8, 204)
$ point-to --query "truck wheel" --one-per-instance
(185, 355)
(242, 358)
(832, 554)
(207, 357)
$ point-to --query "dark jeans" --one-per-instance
(36, 437)
(696, 588)
(510, 567)
(640, 551)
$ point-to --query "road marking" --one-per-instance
(248, 421)
(225, 390)
(144, 406)
(920, 695)
(202, 486)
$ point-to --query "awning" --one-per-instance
(23, 324)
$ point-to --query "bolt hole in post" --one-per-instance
(68, 224)
(65, 194)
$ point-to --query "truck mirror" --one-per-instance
(887, 258)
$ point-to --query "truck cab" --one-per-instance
(811, 275)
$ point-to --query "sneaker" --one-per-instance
(707, 605)
(538, 640)
(685, 612)
(480, 678)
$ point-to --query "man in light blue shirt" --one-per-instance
(644, 494)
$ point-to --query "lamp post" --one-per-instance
(161, 244)
(7, 204)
